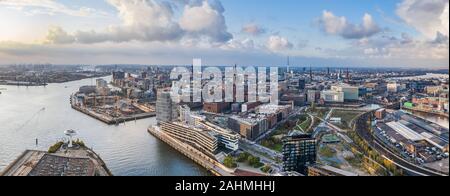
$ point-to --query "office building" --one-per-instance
(351, 93)
(332, 96)
(313, 96)
(101, 83)
(166, 108)
(247, 127)
(299, 152)
(216, 107)
(205, 141)
(393, 87)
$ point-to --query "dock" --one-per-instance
(198, 157)
(111, 121)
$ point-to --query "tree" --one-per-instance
(243, 157)
(266, 168)
(229, 162)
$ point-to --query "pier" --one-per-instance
(111, 121)
(198, 157)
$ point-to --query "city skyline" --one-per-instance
(402, 33)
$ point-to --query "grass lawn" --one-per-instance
(305, 122)
(327, 152)
(346, 117)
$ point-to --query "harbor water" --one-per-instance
(44, 113)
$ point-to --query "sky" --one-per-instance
(370, 33)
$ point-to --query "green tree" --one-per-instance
(229, 162)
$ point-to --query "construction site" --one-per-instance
(110, 108)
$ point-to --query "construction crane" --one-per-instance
(30, 119)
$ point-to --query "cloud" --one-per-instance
(253, 29)
(334, 25)
(207, 20)
(154, 21)
(302, 44)
(277, 43)
(57, 35)
(404, 47)
(49, 7)
(428, 17)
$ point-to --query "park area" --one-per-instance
(346, 116)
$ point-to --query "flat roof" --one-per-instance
(405, 131)
(338, 171)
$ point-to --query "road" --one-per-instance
(258, 151)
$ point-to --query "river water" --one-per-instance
(440, 120)
(127, 149)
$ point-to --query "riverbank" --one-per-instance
(427, 112)
(126, 148)
(66, 161)
(111, 121)
(195, 155)
(19, 83)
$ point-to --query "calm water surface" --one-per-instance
(127, 149)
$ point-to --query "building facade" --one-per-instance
(166, 108)
(299, 151)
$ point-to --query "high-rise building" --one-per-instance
(299, 152)
(166, 108)
(301, 84)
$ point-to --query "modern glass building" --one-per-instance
(299, 151)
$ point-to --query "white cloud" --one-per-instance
(246, 44)
(57, 35)
(253, 29)
(277, 43)
(334, 25)
(155, 21)
(49, 7)
(205, 20)
(429, 17)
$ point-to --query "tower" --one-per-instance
(166, 108)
